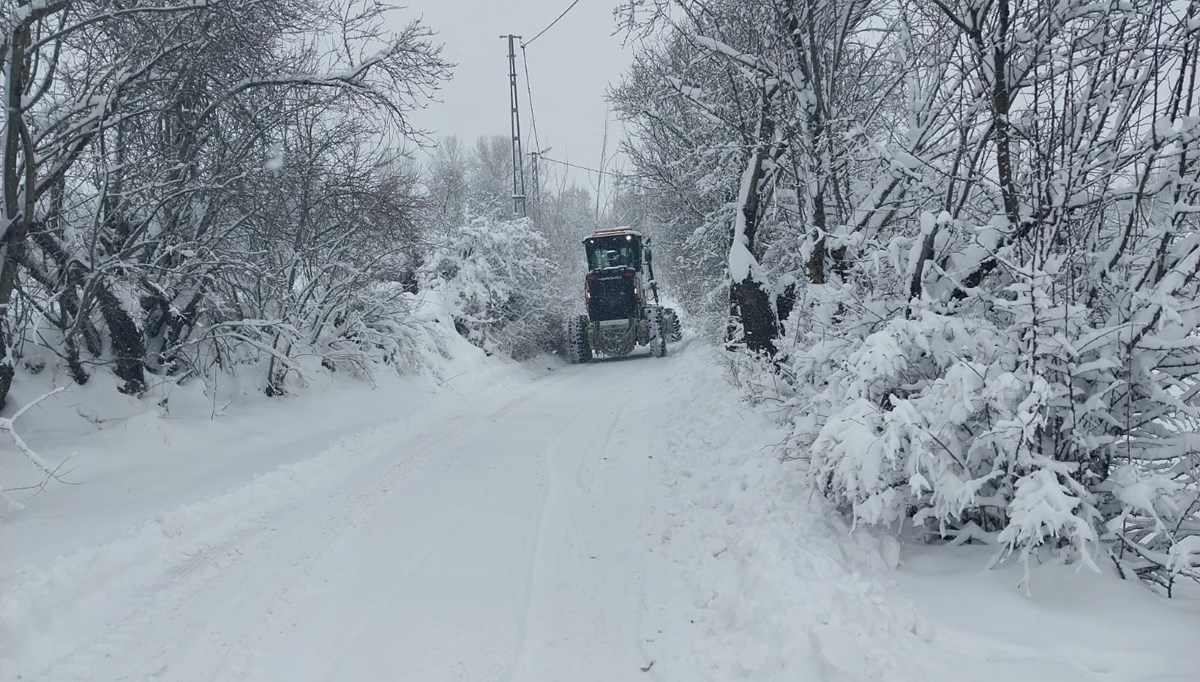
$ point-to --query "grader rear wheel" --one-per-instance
(579, 349)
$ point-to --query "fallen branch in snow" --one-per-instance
(51, 473)
(443, 382)
(50, 476)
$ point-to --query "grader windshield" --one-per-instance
(617, 251)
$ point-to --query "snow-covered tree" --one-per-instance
(497, 281)
(978, 225)
(194, 185)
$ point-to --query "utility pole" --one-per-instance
(535, 194)
(518, 159)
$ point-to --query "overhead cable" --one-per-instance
(624, 178)
(539, 34)
(537, 145)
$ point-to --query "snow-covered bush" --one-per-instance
(1018, 423)
(497, 280)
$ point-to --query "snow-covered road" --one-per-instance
(506, 542)
(623, 520)
(502, 538)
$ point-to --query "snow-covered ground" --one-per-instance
(781, 589)
(618, 521)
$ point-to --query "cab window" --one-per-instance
(622, 251)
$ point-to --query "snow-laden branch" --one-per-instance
(9, 425)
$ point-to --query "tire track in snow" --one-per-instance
(585, 640)
(503, 474)
(176, 578)
(302, 581)
(449, 453)
(299, 530)
(547, 484)
(321, 571)
(586, 471)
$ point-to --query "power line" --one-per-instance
(586, 168)
(539, 35)
(533, 117)
(620, 176)
(537, 145)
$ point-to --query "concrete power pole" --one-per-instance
(518, 159)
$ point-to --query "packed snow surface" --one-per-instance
(622, 520)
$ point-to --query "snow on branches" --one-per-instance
(986, 219)
(194, 186)
(495, 278)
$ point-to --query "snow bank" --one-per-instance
(782, 589)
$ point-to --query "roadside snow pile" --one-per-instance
(786, 591)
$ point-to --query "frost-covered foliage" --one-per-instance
(978, 225)
(194, 188)
(1023, 425)
(498, 283)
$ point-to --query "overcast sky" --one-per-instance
(569, 68)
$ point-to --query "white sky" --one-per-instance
(570, 67)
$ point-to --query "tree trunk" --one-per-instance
(751, 305)
(1001, 105)
(16, 217)
(128, 352)
(749, 302)
(785, 302)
